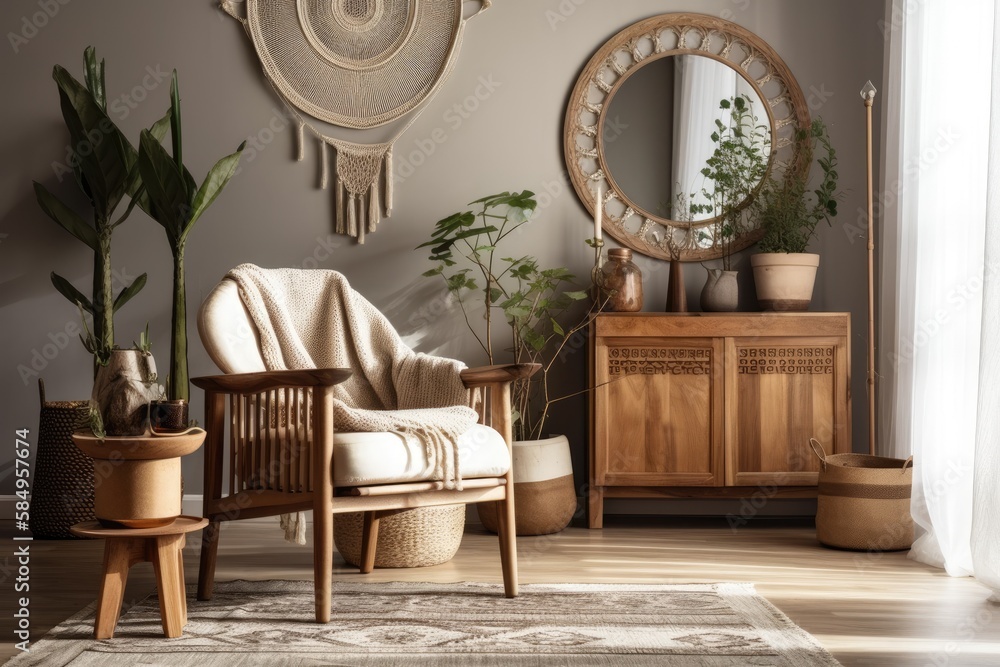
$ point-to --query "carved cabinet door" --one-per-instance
(661, 417)
(781, 391)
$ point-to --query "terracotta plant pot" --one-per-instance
(544, 495)
(721, 293)
(784, 281)
(168, 416)
(122, 391)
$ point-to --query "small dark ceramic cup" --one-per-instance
(168, 416)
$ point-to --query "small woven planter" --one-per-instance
(62, 489)
(410, 538)
(863, 501)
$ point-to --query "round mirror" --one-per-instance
(640, 123)
(657, 132)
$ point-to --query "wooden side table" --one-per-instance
(124, 547)
(138, 478)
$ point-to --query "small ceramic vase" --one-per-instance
(168, 416)
(676, 296)
(721, 293)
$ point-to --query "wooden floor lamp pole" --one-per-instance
(868, 94)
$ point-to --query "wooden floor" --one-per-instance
(867, 610)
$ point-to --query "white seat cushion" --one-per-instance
(362, 459)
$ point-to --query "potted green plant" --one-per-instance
(104, 165)
(734, 172)
(176, 202)
(535, 303)
(789, 212)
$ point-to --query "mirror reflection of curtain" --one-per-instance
(700, 83)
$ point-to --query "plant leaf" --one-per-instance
(97, 143)
(175, 121)
(213, 184)
(128, 292)
(74, 295)
(94, 76)
(475, 232)
(135, 188)
(66, 217)
(169, 198)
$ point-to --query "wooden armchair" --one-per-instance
(281, 452)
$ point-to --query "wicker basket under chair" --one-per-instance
(417, 537)
(62, 479)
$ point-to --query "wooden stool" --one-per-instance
(124, 547)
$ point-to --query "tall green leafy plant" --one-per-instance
(734, 171)
(533, 301)
(786, 208)
(104, 166)
(176, 202)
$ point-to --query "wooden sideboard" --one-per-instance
(706, 405)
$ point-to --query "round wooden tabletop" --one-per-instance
(140, 447)
(182, 524)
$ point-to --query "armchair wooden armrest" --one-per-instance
(252, 383)
(487, 375)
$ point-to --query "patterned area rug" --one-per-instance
(251, 623)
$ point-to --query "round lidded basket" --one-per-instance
(417, 537)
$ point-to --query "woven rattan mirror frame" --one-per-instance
(648, 41)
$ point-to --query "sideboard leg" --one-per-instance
(595, 515)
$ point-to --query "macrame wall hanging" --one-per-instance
(357, 65)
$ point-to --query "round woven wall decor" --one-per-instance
(355, 63)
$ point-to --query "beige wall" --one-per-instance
(497, 123)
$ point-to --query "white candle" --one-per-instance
(598, 214)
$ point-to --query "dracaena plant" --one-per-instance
(176, 202)
(465, 248)
(104, 165)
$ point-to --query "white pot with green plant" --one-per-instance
(789, 211)
(732, 173)
(535, 303)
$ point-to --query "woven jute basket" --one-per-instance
(62, 487)
(409, 538)
(863, 501)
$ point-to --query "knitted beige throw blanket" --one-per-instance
(314, 319)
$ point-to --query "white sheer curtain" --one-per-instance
(701, 83)
(986, 489)
(941, 320)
